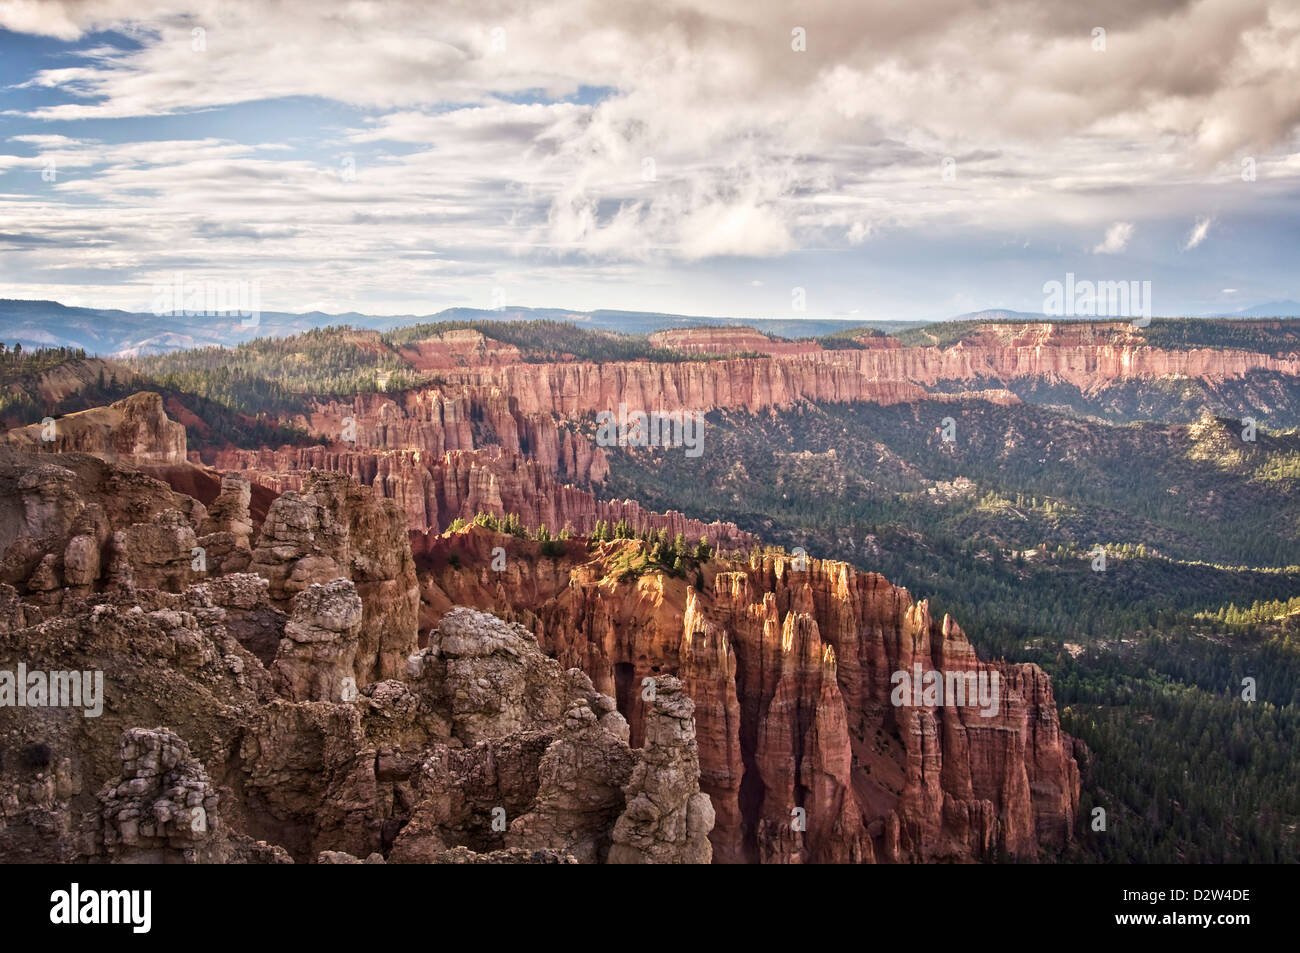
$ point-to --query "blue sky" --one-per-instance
(904, 162)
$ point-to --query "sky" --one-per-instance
(887, 159)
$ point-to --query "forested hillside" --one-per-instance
(1002, 528)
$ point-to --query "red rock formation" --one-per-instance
(790, 667)
(332, 529)
(724, 341)
(465, 348)
(135, 431)
(791, 671)
(413, 755)
(435, 420)
(1090, 366)
(434, 491)
(73, 523)
(708, 675)
(1089, 355)
(485, 397)
(740, 383)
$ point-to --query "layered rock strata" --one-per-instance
(135, 431)
(231, 717)
(802, 751)
(337, 529)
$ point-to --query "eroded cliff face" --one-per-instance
(728, 340)
(738, 383)
(335, 529)
(496, 434)
(277, 684)
(790, 667)
(1087, 355)
(433, 420)
(135, 431)
(1087, 365)
(284, 713)
(433, 491)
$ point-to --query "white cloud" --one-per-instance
(1116, 240)
(757, 151)
(743, 228)
(44, 141)
(860, 232)
(1198, 233)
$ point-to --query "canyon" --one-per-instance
(790, 668)
(492, 432)
(315, 686)
(265, 701)
(329, 658)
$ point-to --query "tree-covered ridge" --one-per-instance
(947, 333)
(1274, 336)
(15, 363)
(271, 374)
(1002, 528)
(90, 383)
(223, 399)
(849, 339)
(545, 341)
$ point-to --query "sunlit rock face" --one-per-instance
(315, 658)
(135, 431)
(802, 751)
(285, 713)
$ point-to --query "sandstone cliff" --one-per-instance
(135, 431)
(790, 669)
(229, 730)
(248, 644)
(435, 490)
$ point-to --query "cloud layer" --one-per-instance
(573, 147)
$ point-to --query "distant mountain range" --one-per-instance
(110, 332)
(1000, 314)
(1269, 309)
